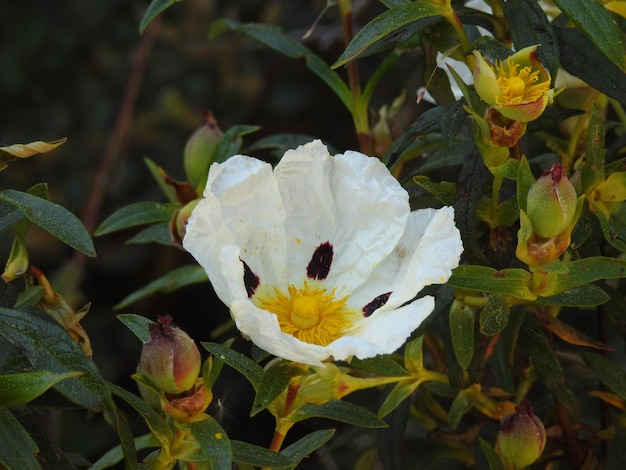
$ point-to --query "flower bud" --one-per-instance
(170, 359)
(200, 148)
(522, 437)
(551, 203)
(178, 224)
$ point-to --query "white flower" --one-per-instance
(318, 258)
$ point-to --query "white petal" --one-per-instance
(242, 207)
(428, 251)
(389, 329)
(352, 201)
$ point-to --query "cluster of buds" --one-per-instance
(169, 370)
(552, 209)
(522, 437)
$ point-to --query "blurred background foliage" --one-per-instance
(80, 69)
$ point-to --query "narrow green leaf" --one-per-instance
(495, 316)
(382, 365)
(513, 282)
(139, 213)
(493, 459)
(529, 26)
(390, 28)
(596, 22)
(462, 403)
(9, 216)
(276, 39)
(275, 380)
(525, 180)
(302, 448)
(48, 346)
(231, 141)
(115, 455)
(255, 456)
(337, 410)
(400, 392)
(155, 421)
(156, 233)
(53, 218)
(586, 270)
(244, 365)
(212, 444)
(593, 170)
(18, 449)
(587, 295)
(580, 57)
(155, 8)
(608, 371)
(20, 389)
(534, 342)
(461, 320)
(444, 192)
(137, 324)
(173, 280)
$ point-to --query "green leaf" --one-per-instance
(494, 318)
(230, 142)
(155, 8)
(382, 364)
(462, 403)
(587, 295)
(529, 26)
(337, 410)
(513, 282)
(302, 448)
(596, 22)
(534, 342)
(275, 380)
(593, 170)
(580, 57)
(244, 365)
(444, 192)
(20, 389)
(211, 444)
(155, 421)
(493, 459)
(9, 216)
(138, 324)
(584, 271)
(139, 213)
(173, 280)
(608, 371)
(18, 449)
(400, 392)
(47, 346)
(525, 180)
(274, 38)
(255, 456)
(391, 27)
(461, 320)
(155, 233)
(115, 455)
(53, 218)
(167, 189)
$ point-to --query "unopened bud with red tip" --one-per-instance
(551, 203)
(522, 437)
(200, 149)
(170, 359)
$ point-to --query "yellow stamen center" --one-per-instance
(313, 315)
(518, 85)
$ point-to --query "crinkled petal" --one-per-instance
(242, 206)
(351, 201)
(389, 329)
(426, 254)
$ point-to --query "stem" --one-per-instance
(359, 112)
(572, 445)
(495, 199)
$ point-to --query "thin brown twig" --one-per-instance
(118, 138)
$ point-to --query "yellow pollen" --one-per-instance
(313, 315)
(518, 85)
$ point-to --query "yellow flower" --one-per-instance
(518, 87)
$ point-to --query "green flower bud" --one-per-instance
(200, 148)
(178, 224)
(522, 437)
(551, 203)
(170, 359)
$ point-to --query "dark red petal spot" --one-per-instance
(319, 266)
(250, 280)
(376, 304)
